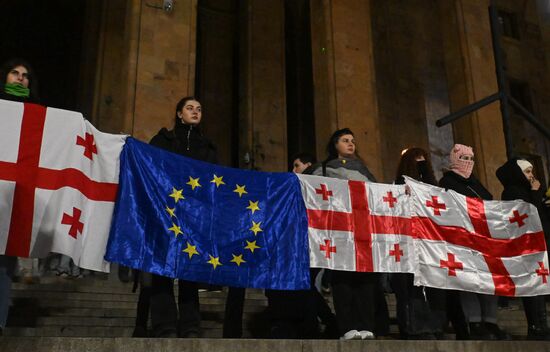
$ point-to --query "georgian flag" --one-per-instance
(358, 226)
(58, 184)
(490, 247)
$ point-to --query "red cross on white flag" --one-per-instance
(490, 247)
(362, 222)
(58, 183)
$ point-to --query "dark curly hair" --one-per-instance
(33, 81)
(408, 165)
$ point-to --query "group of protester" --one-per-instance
(360, 309)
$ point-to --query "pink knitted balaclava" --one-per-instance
(462, 167)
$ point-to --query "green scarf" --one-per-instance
(17, 90)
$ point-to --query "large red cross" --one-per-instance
(361, 222)
(451, 263)
(493, 249)
(396, 252)
(29, 176)
(327, 248)
(518, 218)
(390, 199)
(324, 191)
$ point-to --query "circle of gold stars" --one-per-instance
(191, 249)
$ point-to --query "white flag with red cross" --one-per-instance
(58, 184)
(490, 247)
(358, 226)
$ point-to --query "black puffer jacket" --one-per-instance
(517, 186)
(470, 187)
(186, 140)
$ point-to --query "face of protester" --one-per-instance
(298, 166)
(529, 174)
(18, 75)
(191, 113)
(346, 146)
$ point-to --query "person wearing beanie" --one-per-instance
(480, 311)
(519, 182)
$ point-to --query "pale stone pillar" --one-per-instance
(471, 76)
(262, 121)
(147, 63)
(343, 76)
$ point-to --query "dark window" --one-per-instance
(522, 94)
(508, 24)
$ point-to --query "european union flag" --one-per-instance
(184, 218)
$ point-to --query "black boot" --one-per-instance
(497, 331)
(478, 331)
(537, 324)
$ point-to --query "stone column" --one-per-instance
(262, 121)
(147, 63)
(471, 76)
(343, 76)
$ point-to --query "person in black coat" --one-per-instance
(420, 310)
(185, 139)
(480, 311)
(516, 175)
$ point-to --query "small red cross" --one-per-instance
(434, 204)
(327, 248)
(542, 272)
(88, 144)
(324, 191)
(390, 199)
(451, 264)
(518, 218)
(74, 221)
(396, 252)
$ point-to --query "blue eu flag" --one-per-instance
(184, 218)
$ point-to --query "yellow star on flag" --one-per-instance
(194, 183)
(217, 180)
(175, 229)
(251, 245)
(177, 194)
(190, 250)
(238, 259)
(215, 261)
(171, 211)
(253, 206)
(240, 190)
(256, 228)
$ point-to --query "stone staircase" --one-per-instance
(99, 311)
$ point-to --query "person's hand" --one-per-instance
(535, 184)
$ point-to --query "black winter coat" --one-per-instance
(470, 187)
(517, 186)
(186, 140)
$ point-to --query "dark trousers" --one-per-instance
(292, 314)
(354, 296)
(420, 310)
(143, 306)
(164, 312)
(535, 312)
(233, 319)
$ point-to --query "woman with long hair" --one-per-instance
(357, 296)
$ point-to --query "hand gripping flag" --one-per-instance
(490, 247)
(58, 182)
(358, 226)
(183, 218)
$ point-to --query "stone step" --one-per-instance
(67, 344)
